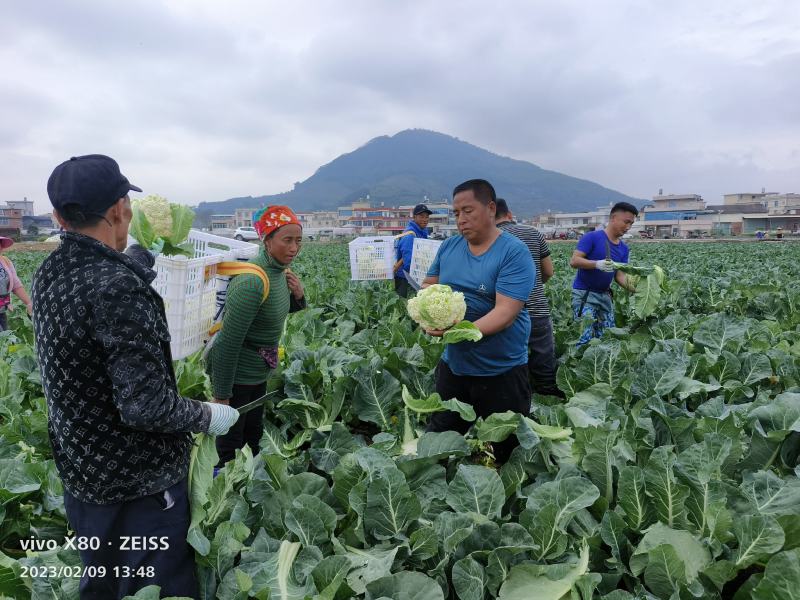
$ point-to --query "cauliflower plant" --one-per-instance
(162, 227)
(158, 213)
(437, 307)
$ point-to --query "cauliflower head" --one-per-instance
(437, 307)
(158, 213)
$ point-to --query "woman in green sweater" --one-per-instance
(246, 348)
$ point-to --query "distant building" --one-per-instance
(365, 217)
(348, 216)
(782, 211)
(322, 219)
(383, 220)
(545, 221)
(746, 212)
(10, 222)
(746, 198)
(243, 217)
(729, 219)
(562, 222)
(25, 206)
(221, 224)
(687, 215)
(677, 215)
(669, 202)
(41, 222)
(783, 204)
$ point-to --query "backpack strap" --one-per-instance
(233, 268)
(5, 261)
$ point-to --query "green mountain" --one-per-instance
(414, 164)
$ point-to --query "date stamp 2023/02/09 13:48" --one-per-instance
(123, 544)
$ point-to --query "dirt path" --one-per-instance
(34, 246)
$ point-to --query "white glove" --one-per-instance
(222, 418)
(607, 266)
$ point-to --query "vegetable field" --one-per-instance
(670, 472)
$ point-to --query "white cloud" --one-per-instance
(202, 100)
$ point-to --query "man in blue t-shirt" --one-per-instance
(594, 258)
(495, 272)
(417, 228)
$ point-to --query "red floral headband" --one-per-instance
(271, 218)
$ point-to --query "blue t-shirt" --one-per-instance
(594, 245)
(506, 268)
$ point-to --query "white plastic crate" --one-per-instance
(422, 256)
(189, 288)
(206, 244)
(372, 258)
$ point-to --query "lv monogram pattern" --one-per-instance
(118, 427)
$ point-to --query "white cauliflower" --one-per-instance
(161, 227)
(158, 212)
(437, 307)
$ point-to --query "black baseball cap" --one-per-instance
(421, 208)
(93, 182)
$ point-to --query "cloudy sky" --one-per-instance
(203, 100)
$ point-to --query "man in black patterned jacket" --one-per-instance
(120, 432)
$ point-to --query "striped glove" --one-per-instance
(222, 418)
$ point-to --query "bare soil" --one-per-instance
(34, 247)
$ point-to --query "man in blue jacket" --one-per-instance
(417, 228)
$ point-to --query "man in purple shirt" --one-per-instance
(594, 258)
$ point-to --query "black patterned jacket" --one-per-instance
(118, 428)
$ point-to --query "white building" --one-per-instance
(321, 219)
(222, 224)
(747, 197)
(24, 205)
(243, 217)
(559, 222)
(783, 204)
(365, 217)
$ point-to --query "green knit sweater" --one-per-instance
(249, 324)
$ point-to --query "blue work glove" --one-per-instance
(222, 418)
